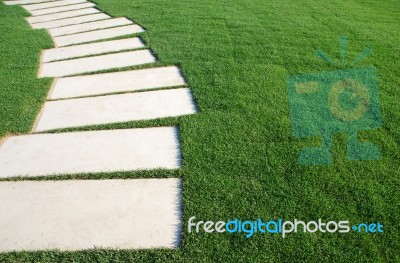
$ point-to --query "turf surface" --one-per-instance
(239, 157)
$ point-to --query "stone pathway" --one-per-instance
(73, 214)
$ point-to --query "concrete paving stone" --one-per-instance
(62, 15)
(25, 2)
(89, 152)
(71, 21)
(97, 35)
(88, 214)
(115, 108)
(91, 49)
(67, 30)
(61, 9)
(96, 63)
(116, 82)
(52, 4)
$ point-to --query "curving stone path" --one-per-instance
(73, 214)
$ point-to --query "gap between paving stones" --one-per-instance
(71, 21)
(115, 108)
(124, 81)
(32, 7)
(25, 2)
(58, 16)
(140, 66)
(87, 50)
(124, 92)
(137, 174)
(60, 9)
(102, 34)
(90, 26)
(96, 63)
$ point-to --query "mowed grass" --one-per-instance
(21, 93)
(239, 157)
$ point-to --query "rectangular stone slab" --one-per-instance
(115, 108)
(90, 152)
(116, 82)
(58, 16)
(91, 64)
(71, 21)
(52, 4)
(90, 49)
(67, 30)
(61, 9)
(88, 214)
(97, 35)
(25, 2)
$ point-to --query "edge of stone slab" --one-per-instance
(53, 84)
(39, 115)
(5, 138)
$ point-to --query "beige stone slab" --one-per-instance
(103, 24)
(25, 2)
(62, 15)
(61, 9)
(97, 35)
(90, 152)
(52, 4)
(89, 214)
(115, 108)
(91, 49)
(71, 21)
(125, 81)
(92, 64)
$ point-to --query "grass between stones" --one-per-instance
(239, 158)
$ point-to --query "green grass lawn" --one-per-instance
(239, 157)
